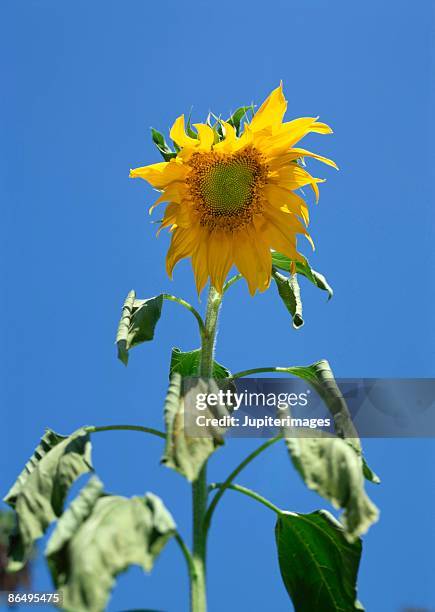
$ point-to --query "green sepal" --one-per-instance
(137, 324)
(189, 131)
(236, 118)
(159, 140)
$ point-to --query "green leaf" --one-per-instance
(319, 567)
(288, 289)
(100, 536)
(236, 118)
(161, 144)
(321, 377)
(332, 468)
(187, 364)
(138, 321)
(183, 453)
(39, 493)
(302, 267)
(7, 526)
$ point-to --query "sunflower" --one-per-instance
(231, 197)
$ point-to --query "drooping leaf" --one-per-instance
(319, 567)
(39, 493)
(332, 468)
(236, 118)
(165, 150)
(187, 364)
(100, 536)
(302, 267)
(138, 321)
(321, 377)
(289, 292)
(183, 453)
(11, 581)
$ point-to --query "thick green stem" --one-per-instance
(198, 595)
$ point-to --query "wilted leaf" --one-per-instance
(288, 289)
(302, 267)
(100, 536)
(39, 493)
(330, 466)
(321, 377)
(138, 321)
(319, 567)
(183, 453)
(187, 364)
(16, 580)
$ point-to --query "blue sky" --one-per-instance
(82, 84)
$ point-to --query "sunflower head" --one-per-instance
(231, 191)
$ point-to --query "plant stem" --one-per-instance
(198, 596)
(249, 493)
(186, 553)
(190, 308)
(149, 430)
(231, 281)
(260, 370)
(227, 484)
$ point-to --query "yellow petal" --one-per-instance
(303, 153)
(253, 259)
(291, 132)
(169, 218)
(161, 174)
(183, 244)
(220, 257)
(178, 134)
(205, 135)
(271, 112)
(186, 215)
(172, 193)
(293, 177)
(287, 201)
(227, 144)
(199, 262)
(287, 225)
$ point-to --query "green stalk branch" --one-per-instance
(231, 281)
(186, 553)
(149, 430)
(244, 373)
(227, 483)
(189, 307)
(249, 493)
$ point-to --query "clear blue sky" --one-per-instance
(82, 83)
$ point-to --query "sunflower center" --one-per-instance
(225, 188)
